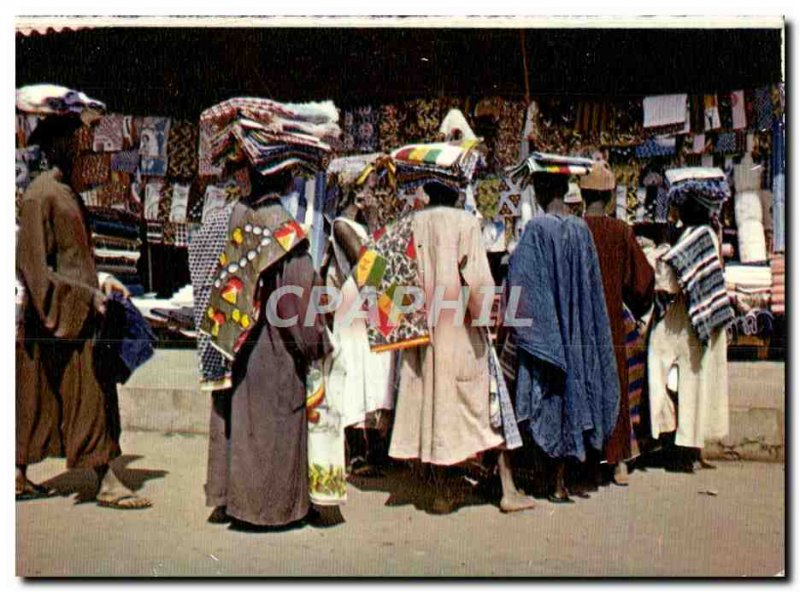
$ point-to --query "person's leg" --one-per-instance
(513, 499)
(446, 497)
(113, 494)
(26, 489)
(560, 494)
(621, 476)
(216, 487)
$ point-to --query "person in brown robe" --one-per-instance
(628, 279)
(63, 408)
(258, 438)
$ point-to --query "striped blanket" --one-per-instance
(697, 264)
(636, 358)
(443, 154)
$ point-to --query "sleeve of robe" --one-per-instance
(310, 341)
(639, 282)
(474, 267)
(62, 303)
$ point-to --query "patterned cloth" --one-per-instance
(204, 250)
(762, 108)
(206, 166)
(91, 170)
(636, 356)
(697, 264)
(360, 128)
(108, 134)
(180, 203)
(263, 238)
(389, 128)
(501, 406)
(655, 147)
(183, 150)
(126, 161)
(389, 260)
(153, 137)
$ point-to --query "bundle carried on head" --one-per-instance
(706, 185)
(272, 136)
(451, 163)
(554, 164)
(52, 99)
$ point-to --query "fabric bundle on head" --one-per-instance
(51, 99)
(550, 164)
(708, 186)
(455, 127)
(452, 163)
(269, 135)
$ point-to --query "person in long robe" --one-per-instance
(63, 407)
(258, 440)
(356, 379)
(567, 387)
(628, 280)
(687, 379)
(442, 414)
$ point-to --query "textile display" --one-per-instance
(697, 265)
(126, 161)
(458, 158)
(180, 203)
(152, 199)
(153, 137)
(636, 359)
(711, 119)
(360, 129)
(389, 260)
(664, 110)
(778, 186)
(265, 236)
(655, 147)
(183, 150)
(108, 134)
(778, 272)
(91, 170)
(739, 115)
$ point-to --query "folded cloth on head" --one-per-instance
(697, 264)
(539, 162)
(271, 136)
(706, 185)
(51, 99)
(460, 157)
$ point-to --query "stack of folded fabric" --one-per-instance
(778, 266)
(750, 286)
(451, 163)
(117, 245)
(750, 228)
(707, 185)
(755, 323)
(554, 164)
(271, 136)
(51, 99)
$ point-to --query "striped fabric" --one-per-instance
(697, 264)
(636, 358)
(443, 154)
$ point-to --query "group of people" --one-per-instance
(293, 403)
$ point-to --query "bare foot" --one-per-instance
(516, 501)
(621, 476)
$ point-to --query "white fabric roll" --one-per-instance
(748, 207)
(752, 243)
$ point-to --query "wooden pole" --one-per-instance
(525, 66)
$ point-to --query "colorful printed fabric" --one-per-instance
(327, 485)
(763, 108)
(91, 170)
(726, 143)
(152, 199)
(421, 119)
(697, 264)
(180, 203)
(487, 195)
(706, 185)
(636, 356)
(126, 161)
(711, 120)
(360, 129)
(206, 166)
(183, 150)
(262, 239)
(204, 250)
(389, 128)
(388, 261)
(117, 192)
(108, 134)
(655, 147)
(509, 132)
(153, 137)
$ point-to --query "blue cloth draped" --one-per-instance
(567, 382)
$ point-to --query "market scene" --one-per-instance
(376, 300)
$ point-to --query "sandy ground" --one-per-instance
(662, 525)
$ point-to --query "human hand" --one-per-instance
(112, 284)
(99, 302)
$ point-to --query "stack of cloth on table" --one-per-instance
(756, 323)
(540, 162)
(750, 286)
(707, 185)
(271, 136)
(117, 245)
(778, 267)
(451, 163)
(174, 314)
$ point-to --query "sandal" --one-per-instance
(556, 499)
(119, 503)
(32, 491)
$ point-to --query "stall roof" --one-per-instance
(179, 71)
